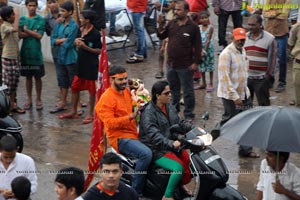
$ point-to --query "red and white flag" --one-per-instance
(97, 146)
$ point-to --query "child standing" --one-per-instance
(163, 56)
(10, 54)
(208, 61)
(52, 18)
(89, 47)
(31, 30)
(63, 37)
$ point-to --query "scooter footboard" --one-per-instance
(226, 193)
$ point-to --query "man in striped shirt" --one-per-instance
(261, 51)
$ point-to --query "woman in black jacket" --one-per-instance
(159, 115)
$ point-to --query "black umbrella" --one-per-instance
(273, 128)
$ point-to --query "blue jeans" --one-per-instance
(112, 19)
(184, 78)
(281, 54)
(58, 72)
(138, 24)
(136, 149)
(67, 73)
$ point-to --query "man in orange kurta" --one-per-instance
(115, 110)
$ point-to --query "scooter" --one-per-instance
(210, 174)
(8, 125)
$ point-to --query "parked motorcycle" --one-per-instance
(8, 125)
(210, 174)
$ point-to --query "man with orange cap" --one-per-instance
(115, 110)
(232, 81)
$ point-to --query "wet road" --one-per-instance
(55, 143)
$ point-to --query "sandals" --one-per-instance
(135, 59)
(83, 104)
(80, 112)
(27, 106)
(68, 116)
(199, 87)
(251, 155)
(159, 75)
(18, 110)
(39, 106)
(87, 120)
(57, 109)
(210, 89)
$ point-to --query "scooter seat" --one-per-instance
(131, 160)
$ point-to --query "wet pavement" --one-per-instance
(55, 143)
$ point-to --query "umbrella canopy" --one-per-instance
(273, 128)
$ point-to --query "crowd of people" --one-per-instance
(246, 66)
(70, 45)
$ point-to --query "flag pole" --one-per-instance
(98, 143)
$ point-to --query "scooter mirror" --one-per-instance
(197, 142)
(195, 132)
(207, 139)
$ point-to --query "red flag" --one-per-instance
(97, 147)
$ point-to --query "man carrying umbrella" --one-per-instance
(276, 129)
(278, 178)
(232, 83)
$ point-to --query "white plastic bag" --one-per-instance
(122, 21)
(114, 5)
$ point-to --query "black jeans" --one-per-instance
(230, 110)
(223, 19)
(261, 89)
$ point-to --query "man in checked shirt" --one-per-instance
(232, 81)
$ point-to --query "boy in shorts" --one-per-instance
(10, 54)
(63, 37)
(31, 30)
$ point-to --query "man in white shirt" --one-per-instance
(69, 184)
(12, 165)
(278, 181)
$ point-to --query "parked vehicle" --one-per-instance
(8, 125)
